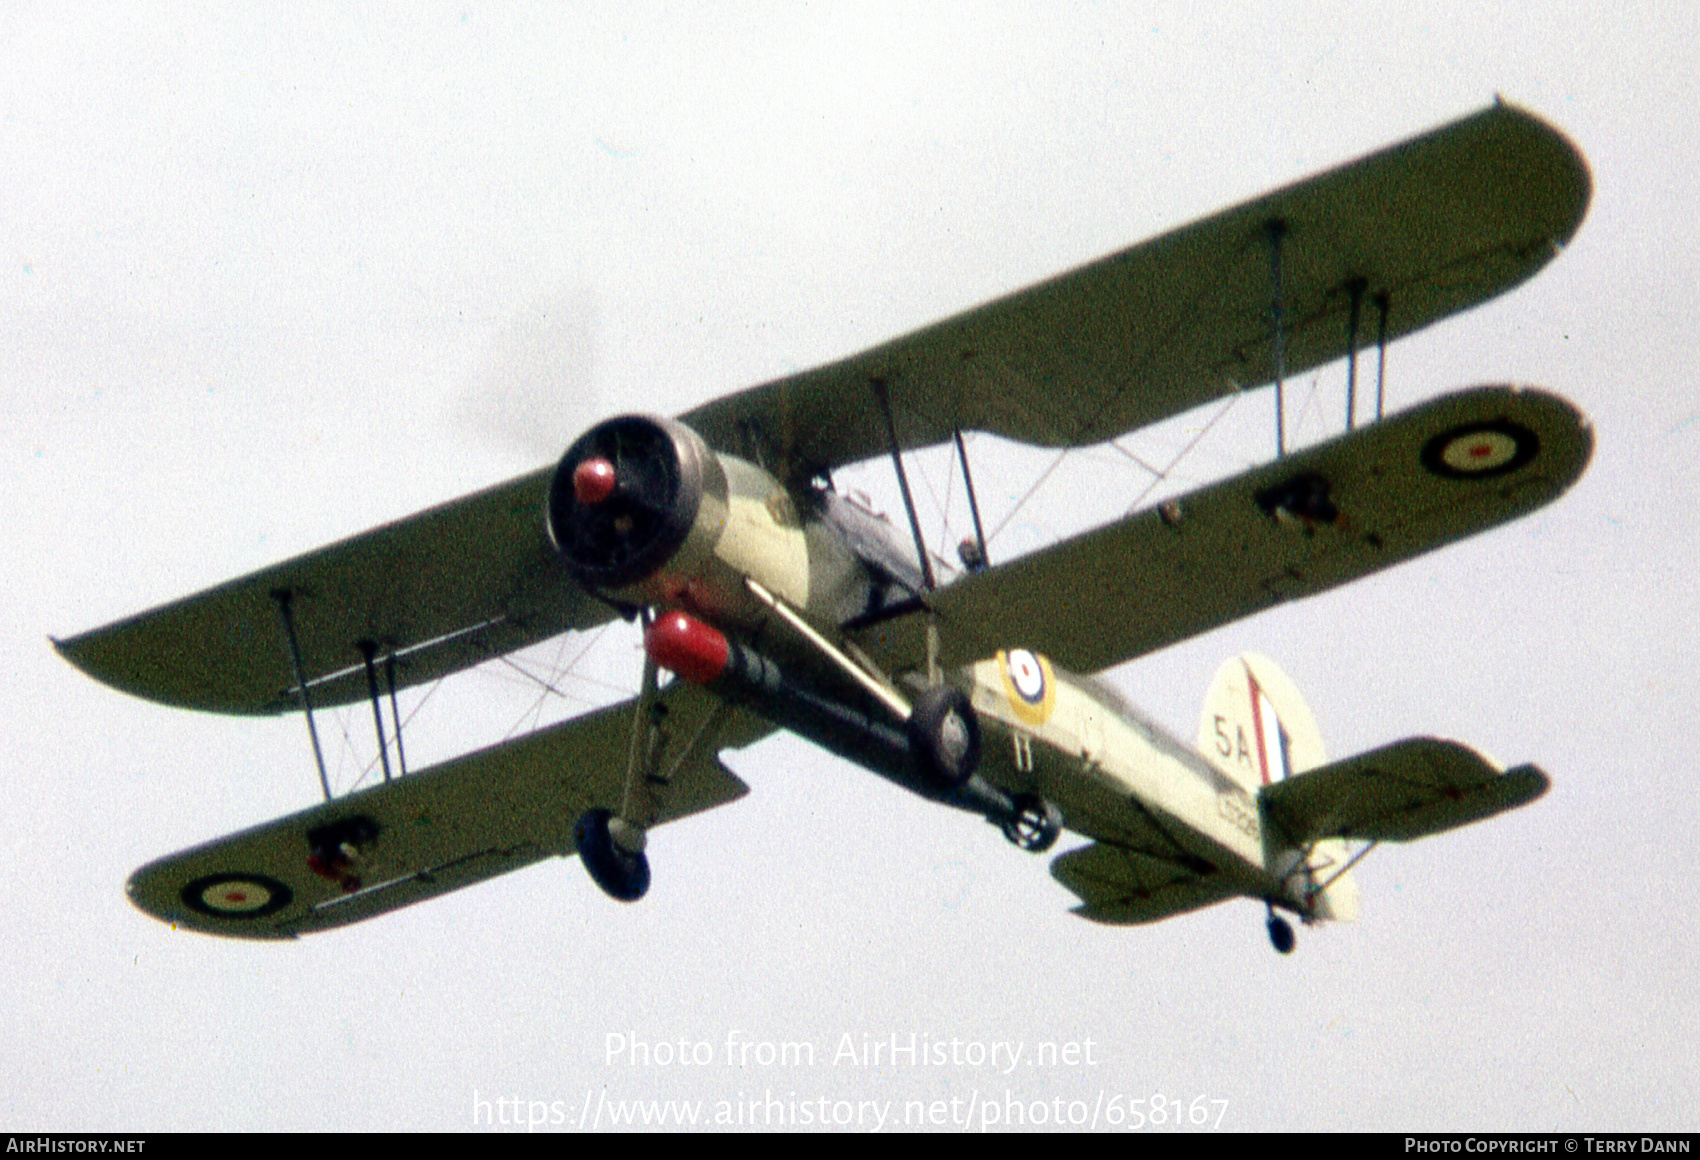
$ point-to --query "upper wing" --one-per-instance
(435, 831)
(1300, 525)
(1397, 793)
(1437, 224)
(441, 590)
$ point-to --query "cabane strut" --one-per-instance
(884, 396)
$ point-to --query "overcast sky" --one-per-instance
(272, 275)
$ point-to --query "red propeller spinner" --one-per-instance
(593, 481)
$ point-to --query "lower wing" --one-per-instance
(435, 831)
(1307, 522)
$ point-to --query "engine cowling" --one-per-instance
(635, 501)
(645, 513)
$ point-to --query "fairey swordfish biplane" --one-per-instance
(778, 603)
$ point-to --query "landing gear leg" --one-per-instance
(1280, 932)
(611, 845)
(622, 873)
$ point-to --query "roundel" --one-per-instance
(1028, 685)
(236, 896)
(1480, 450)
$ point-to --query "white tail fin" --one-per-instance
(1257, 729)
(1255, 726)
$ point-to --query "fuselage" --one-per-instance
(1075, 742)
(653, 519)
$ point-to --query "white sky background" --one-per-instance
(271, 276)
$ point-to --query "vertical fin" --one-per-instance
(1255, 726)
(1257, 729)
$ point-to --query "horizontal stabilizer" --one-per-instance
(1123, 886)
(1406, 790)
(437, 830)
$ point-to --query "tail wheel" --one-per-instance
(623, 874)
(1035, 824)
(944, 737)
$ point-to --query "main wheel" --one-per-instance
(1281, 934)
(944, 737)
(622, 874)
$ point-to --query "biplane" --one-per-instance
(769, 600)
